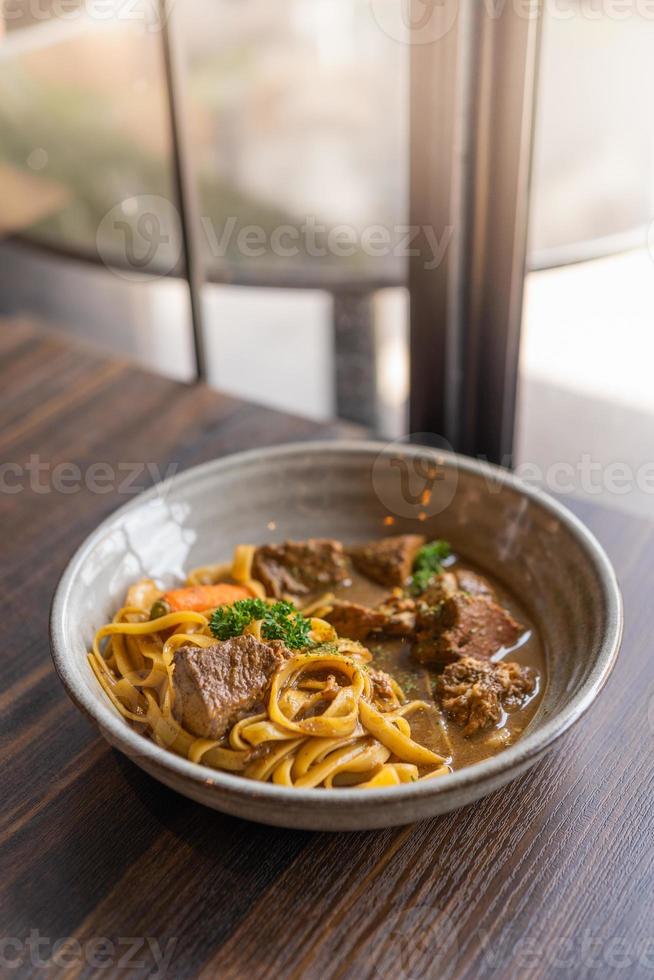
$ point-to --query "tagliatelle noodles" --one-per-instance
(320, 725)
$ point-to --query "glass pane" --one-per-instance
(593, 172)
(586, 403)
(145, 321)
(298, 115)
(85, 147)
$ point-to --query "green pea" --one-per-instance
(159, 608)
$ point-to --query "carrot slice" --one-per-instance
(196, 598)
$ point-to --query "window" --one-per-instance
(589, 304)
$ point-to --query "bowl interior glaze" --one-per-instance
(350, 491)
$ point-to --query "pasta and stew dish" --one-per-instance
(314, 664)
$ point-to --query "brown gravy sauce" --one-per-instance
(432, 727)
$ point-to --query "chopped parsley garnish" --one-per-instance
(283, 622)
(428, 563)
(279, 621)
(228, 621)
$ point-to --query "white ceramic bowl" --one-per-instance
(349, 490)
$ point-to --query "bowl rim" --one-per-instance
(517, 756)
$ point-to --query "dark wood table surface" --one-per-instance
(103, 871)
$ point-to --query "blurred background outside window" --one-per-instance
(588, 326)
(297, 119)
(297, 116)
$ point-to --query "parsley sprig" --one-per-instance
(279, 621)
(428, 563)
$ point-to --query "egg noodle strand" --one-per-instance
(321, 724)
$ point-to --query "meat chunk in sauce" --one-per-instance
(473, 692)
(388, 561)
(215, 686)
(474, 584)
(382, 688)
(399, 613)
(355, 621)
(463, 625)
(441, 587)
(395, 616)
(299, 567)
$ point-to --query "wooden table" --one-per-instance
(553, 876)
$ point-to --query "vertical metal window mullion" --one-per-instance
(472, 139)
(433, 93)
(184, 178)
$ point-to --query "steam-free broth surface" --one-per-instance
(315, 664)
(432, 727)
